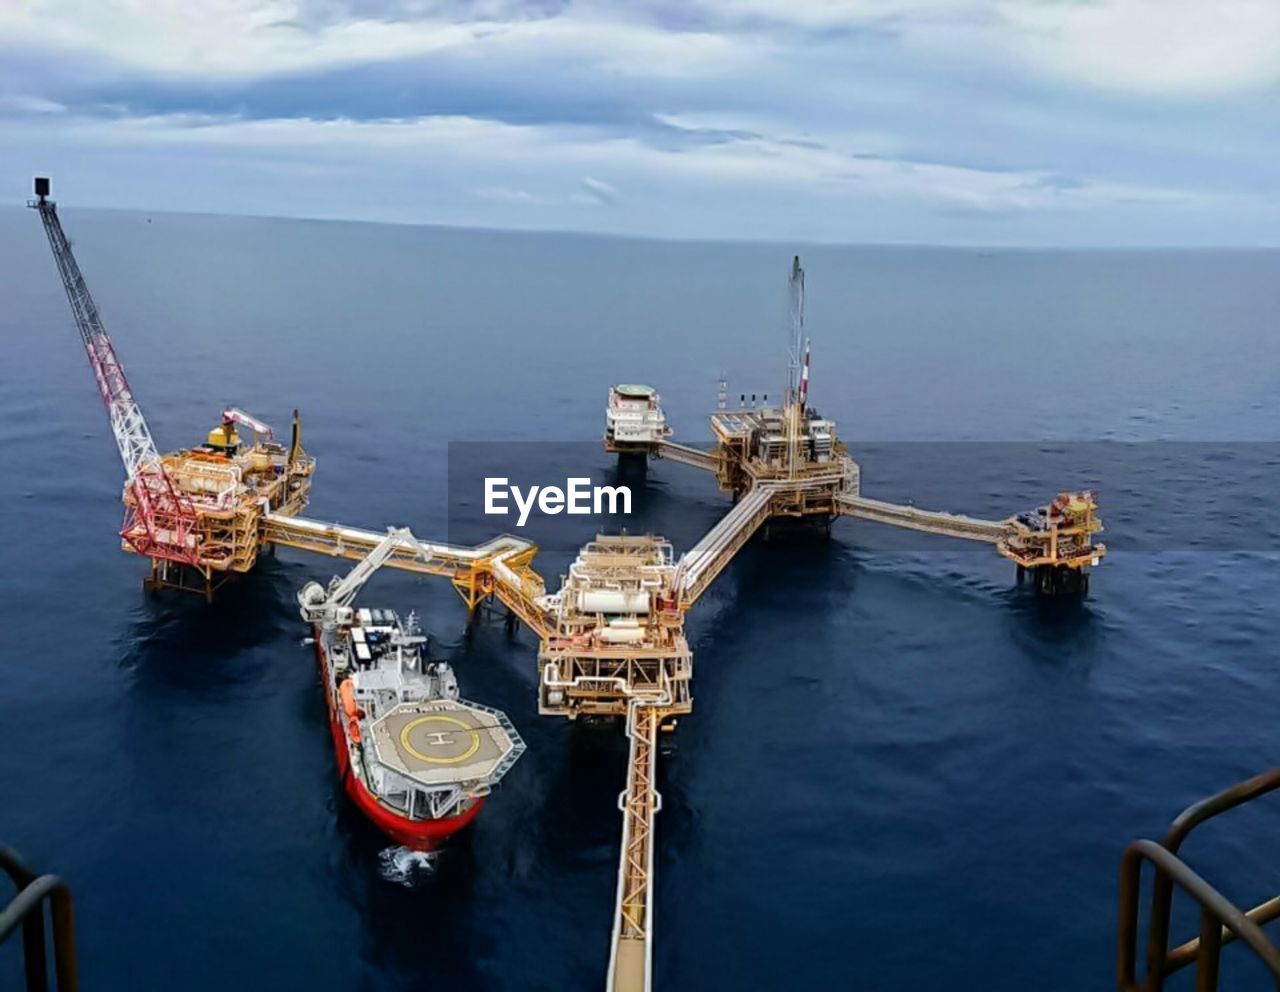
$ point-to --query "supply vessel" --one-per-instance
(415, 758)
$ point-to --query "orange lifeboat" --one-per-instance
(347, 693)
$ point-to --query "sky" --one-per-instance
(1008, 122)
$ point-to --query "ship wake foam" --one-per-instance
(407, 867)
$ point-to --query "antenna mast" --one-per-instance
(791, 409)
(795, 331)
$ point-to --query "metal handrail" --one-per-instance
(1221, 922)
(27, 909)
(1236, 795)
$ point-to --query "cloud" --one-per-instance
(321, 12)
(18, 103)
(1157, 46)
(833, 14)
(505, 194)
(591, 193)
(253, 39)
(834, 167)
(597, 191)
(1172, 47)
(1141, 46)
(705, 113)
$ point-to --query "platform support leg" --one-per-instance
(1060, 580)
(633, 464)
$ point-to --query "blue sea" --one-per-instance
(902, 771)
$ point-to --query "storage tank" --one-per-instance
(612, 601)
(621, 632)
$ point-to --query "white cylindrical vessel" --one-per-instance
(612, 601)
(614, 634)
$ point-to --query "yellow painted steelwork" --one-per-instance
(406, 743)
(631, 956)
(224, 437)
(231, 488)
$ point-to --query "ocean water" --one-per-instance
(902, 771)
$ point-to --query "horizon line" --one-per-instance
(676, 239)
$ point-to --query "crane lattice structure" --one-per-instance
(160, 520)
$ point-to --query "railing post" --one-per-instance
(1158, 934)
(1127, 926)
(27, 907)
(1210, 952)
(33, 952)
(64, 940)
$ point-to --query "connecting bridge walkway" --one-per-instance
(929, 521)
(878, 511)
(686, 455)
(709, 557)
(501, 567)
(631, 953)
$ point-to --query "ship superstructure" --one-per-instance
(634, 420)
(413, 755)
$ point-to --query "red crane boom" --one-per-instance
(159, 521)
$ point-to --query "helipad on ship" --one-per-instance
(441, 741)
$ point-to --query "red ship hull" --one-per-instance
(419, 835)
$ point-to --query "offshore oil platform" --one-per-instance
(611, 640)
